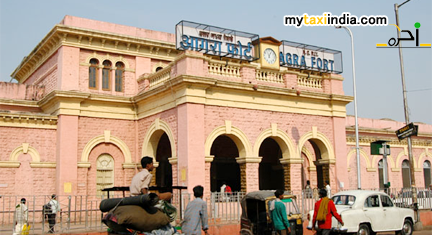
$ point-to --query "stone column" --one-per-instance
(327, 165)
(249, 173)
(292, 174)
(207, 184)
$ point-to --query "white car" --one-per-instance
(367, 212)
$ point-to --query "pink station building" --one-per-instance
(93, 97)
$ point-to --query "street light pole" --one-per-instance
(355, 107)
(405, 101)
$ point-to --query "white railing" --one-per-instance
(224, 70)
(309, 82)
(268, 76)
(159, 77)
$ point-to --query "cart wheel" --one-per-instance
(245, 232)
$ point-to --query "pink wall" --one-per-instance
(68, 64)
(44, 142)
(46, 74)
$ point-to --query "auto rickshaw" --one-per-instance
(255, 219)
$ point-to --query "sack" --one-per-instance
(47, 208)
(135, 217)
(111, 221)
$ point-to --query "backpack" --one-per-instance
(47, 208)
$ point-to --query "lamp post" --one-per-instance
(418, 224)
(355, 107)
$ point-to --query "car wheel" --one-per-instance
(363, 230)
(407, 228)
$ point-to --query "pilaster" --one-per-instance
(67, 155)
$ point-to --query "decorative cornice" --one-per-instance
(291, 161)
(43, 164)
(28, 120)
(248, 160)
(9, 164)
(63, 35)
(393, 141)
(130, 165)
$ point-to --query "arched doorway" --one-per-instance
(427, 173)
(224, 167)
(105, 173)
(406, 176)
(164, 170)
(271, 173)
(318, 148)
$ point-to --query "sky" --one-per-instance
(23, 24)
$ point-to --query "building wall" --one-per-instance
(37, 181)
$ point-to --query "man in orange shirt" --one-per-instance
(323, 211)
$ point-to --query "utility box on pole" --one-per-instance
(377, 147)
(381, 147)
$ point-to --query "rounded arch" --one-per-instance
(106, 138)
(322, 142)
(151, 139)
(402, 156)
(281, 138)
(24, 148)
(377, 158)
(363, 154)
(112, 59)
(239, 138)
(158, 65)
(425, 154)
(309, 157)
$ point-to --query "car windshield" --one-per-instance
(345, 200)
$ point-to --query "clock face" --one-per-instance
(269, 55)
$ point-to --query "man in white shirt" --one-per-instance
(328, 188)
(141, 181)
(21, 216)
(55, 207)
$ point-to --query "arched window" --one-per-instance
(106, 75)
(93, 73)
(427, 173)
(406, 177)
(119, 74)
(381, 174)
(105, 173)
(159, 68)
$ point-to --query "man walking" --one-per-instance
(55, 207)
(278, 214)
(196, 218)
(323, 212)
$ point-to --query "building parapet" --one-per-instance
(17, 91)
